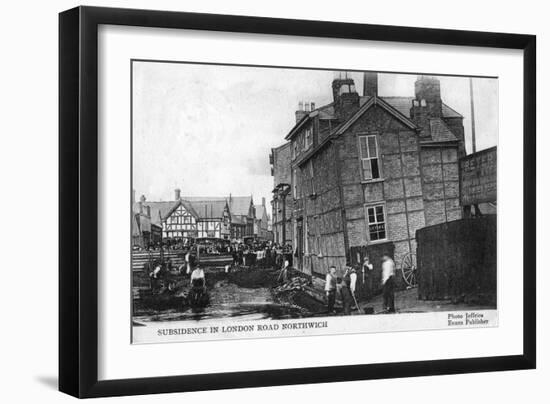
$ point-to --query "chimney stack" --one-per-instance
(346, 99)
(300, 113)
(263, 201)
(427, 103)
(427, 92)
(304, 108)
(370, 84)
(177, 194)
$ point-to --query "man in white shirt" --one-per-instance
(353, 280)
(188, 261)
(330, 289)
(198, 278)
(388, 283)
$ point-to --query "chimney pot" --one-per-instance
(300, 113)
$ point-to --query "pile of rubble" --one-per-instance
(296, 283)
(299, 293)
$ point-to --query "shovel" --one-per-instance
(356, 304)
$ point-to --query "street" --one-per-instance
(245, 294)
(255, 293)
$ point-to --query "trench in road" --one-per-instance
(229, 300)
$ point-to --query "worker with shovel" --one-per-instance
(352, 273)
(345, 292)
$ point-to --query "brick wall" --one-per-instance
(401, 188)
(322, 213)
(456, 126)
(439, 166)
(419, 187)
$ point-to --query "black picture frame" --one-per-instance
(78, 200)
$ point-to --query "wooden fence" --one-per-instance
(457, 260)
(177, 258)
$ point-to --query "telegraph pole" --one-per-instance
(473, 116)
(476, 206)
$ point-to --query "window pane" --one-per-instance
(375, 170)
(372, 146)
(363, 147)
(367, 172)
(370, 212)
(376, 223)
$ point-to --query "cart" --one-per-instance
(408, 270)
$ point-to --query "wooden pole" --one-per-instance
(473, 116)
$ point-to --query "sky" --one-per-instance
(209, 129)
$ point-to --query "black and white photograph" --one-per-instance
(270, 202)
(275, 202)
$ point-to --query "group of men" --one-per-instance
(346, 284)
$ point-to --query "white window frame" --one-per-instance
(308, 138)
(310, 174)
(368, 159)
(374, 206)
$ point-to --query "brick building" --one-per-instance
(367, 171)
(145, 231)
(282, 203)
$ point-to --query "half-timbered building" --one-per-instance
(193, 217)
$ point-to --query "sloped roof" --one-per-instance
(176, 205)
(404, 104)
(204, 198)
(326, 111)
(240, 205)
(159, 210)
(200, 206)
(448, 112)
(212, 209)
(372, 101)
(440, 132)
(401, 104)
